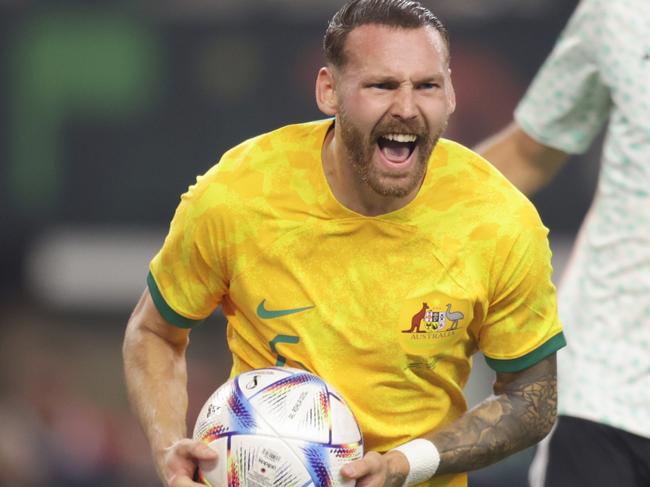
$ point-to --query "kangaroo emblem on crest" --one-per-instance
(417, 320)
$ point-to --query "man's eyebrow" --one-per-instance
(433, 78)
(389, 79)
(380, 78)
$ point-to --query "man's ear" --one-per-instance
(451, 95)
(326, 98)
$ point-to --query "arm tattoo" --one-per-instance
(521, 414)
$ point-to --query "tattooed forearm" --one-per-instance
(521, 414)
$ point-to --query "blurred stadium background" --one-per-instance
(108, 112)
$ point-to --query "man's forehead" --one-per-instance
(373, 38)
(373, 41)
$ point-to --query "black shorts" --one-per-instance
(583, 453)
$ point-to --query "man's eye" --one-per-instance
(428, 86)
(382, 86)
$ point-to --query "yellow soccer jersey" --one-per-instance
(388, 309)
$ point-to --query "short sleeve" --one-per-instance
(187, 277)
(568, 103)
(522, 325)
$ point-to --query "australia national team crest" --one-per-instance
(431, 319)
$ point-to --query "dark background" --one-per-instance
(108, 111)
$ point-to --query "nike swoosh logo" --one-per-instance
(266, 314)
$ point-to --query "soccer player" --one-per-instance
(370, 251)
(599, 70)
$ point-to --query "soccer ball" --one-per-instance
(278, 427)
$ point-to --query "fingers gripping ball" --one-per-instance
(278, 427)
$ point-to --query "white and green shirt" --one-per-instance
(599, 71)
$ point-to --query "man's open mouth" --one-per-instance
(397, 148)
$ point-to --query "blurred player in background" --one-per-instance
(371, 252)
(599, 69)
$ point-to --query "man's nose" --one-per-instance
(404, 105)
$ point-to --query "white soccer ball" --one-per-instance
(278, 427)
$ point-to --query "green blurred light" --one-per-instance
(83, 63)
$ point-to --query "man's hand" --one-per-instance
(376, 470)
(178, 463)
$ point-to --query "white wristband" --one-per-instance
(423, 458)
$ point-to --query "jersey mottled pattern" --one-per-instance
(599, 71)
(388, 309)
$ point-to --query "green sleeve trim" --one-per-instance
(165, 310)
(530, 359)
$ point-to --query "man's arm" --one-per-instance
(528, 164)
(520, 414)
(156, 379)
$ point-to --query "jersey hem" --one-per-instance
(517, 364)
(165, 310)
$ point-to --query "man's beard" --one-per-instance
(360, 150)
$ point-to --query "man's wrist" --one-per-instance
(422, 458)
(161, 448)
